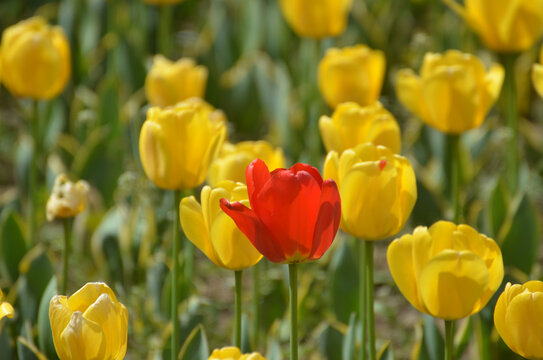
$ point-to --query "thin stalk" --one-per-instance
(511, 120)
(188, 249)
(67, 222)
(293, 297)
(361, 250)
(453, 144)
(237, 321)
(164, 29)
(449, 339)
(370, 319)
(256, 304)
(175, 272)
(32, 176)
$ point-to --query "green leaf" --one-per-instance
(330, 343)
(385, 353)
(497, 208)
(45, 336)
(274, 350)
(36, 272)
(195, 346)
(431, 344)
(349, 340)
(12, 245)
(6, 348)
(245, 340)
(343, 279)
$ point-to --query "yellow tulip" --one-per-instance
(316, 18)
(503, 25)
(517, 317)
(351, 125)
(232, 160)
(214, 232)
(5, 308)
(67, 198)
(90, 324)
(35, 59)
(537, 74)
(448, 271)
(177, 143)
(377, 188)
(453, 93)
(169, 82)
(233, 353)
(351, 74)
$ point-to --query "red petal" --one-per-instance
(288, 205)
(254, 229)
(328, 219)
(256, 175)
(310, 169)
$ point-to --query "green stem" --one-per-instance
(32, 181)
(453, 149)
(370, 320)
(237, 323)
(511, 120)
(188, 249)
(361, 250)
(175, 271)
(293, 297)
(482, 337)
(449, 339)
(164, 29)
(256, 303)
(67, 222)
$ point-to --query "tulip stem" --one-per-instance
(449, 339)
(164, 28)
(511, 121)
(293, 297)
(453, 144)
(67, 222)
(256, 307)
(362, 296)
(237, 323)
(32, 176)
(175, 271)
(370, 319)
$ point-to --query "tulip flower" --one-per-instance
(517, 318)
(453, 93)
(177, 143)
(5, 308)
(233, 159)
(168, 82)
(294, 214)
(351, 125)
(504, 26)
(352, 73)
(35, 59)
(316, 18)
(448, 271)
(233, 353)
(378, 190)
(537, 74)
(90, 324)
(67, 198)
(213, 232)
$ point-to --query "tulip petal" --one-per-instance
(105, 313)
(523, 319)
(327, 220)
(83, 339)
(307, 168)
(155, 155)
(409, 91)
(6, 310)
(256, 174)
(329, 134)
(88, 294)
(537, 78)
(331, 164)
(59, 317)
(452, 282)
(407, 189)
(254, 229)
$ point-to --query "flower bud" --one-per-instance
(67, 199)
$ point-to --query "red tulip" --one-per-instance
(294, 214)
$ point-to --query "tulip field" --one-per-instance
(271, 179)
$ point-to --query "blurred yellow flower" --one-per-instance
(453, 93)
(35, 59)
(169, 82)
(233, 353)
(448, 271)
(377, 188)
(517, 317)
(351, 125)
(177, 143)
(537, 74)
(316, 18)
(214, 232)
(67, 199)
(233, 159)
(90, 324)
(352, 73)
(503, 25)
(5, 308)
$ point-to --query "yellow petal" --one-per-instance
(331, 164)
(452, 282)
(409, 92)
(407, 190)
(194, 225)
(83, 339)
(6, 310)
(329, 134)
(499, 316)
(537, 78)
(155, 155)
(59, 317)
(492, 88)
(88, 294)
(523, 319)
